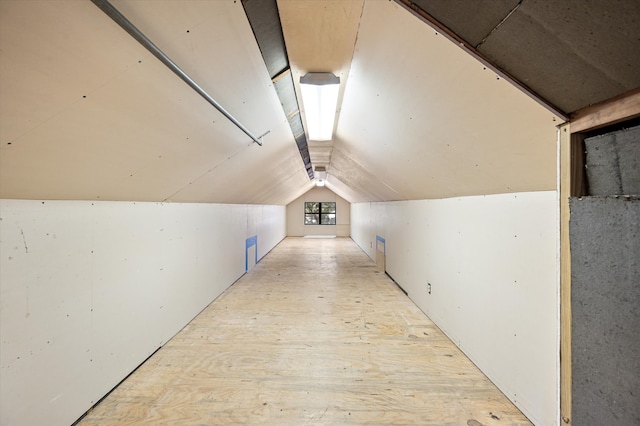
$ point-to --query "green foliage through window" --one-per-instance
(316, 213)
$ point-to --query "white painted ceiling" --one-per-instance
(87, 113)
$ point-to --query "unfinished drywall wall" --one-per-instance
(605, 293)
(485, 270)
(88, 290)
(295, 215)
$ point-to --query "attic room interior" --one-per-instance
(473, 205)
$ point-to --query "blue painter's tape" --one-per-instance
(251, 241)
(384, 243)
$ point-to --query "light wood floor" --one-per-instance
(314, 334)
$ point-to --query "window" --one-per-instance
(319, 213)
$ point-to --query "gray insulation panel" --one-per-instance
(613, 163)
(265, 22)
(287, 94)
(605, 291)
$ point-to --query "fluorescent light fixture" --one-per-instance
(320, 99)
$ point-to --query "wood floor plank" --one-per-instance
(314, 334)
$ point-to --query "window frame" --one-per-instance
(318, 215)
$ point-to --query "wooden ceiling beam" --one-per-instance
(612, 111)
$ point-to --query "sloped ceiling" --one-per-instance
(420, 118)
(573, 53)
(88, 113)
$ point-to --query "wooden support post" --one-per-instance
(565, 274)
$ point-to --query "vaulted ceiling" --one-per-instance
(438, 98)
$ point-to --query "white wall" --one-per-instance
(493, 268)
(88, 290)
(295, 215)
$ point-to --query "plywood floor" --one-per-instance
(314, 334)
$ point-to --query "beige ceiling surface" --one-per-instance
(320, 36)
(88, 113)
(429, 121)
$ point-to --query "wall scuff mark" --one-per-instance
(24, 240)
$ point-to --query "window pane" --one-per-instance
(328, 219)
(319, 213)
(328, 207)
(311, 207)
(311, 219)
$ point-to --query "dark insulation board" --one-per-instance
(613, 163)
(605, 292)
(265, 22)
(573, 53)
(471, 20)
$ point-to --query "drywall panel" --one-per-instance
(367, 223)
(295, 215)
(269, 223)
(87, 113)
(429, 121)
(88, 290)
(485, 270)
(605, 295)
